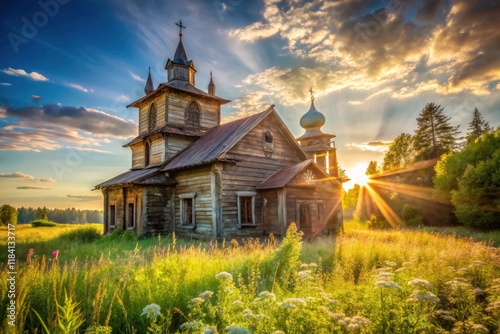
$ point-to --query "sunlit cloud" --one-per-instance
(22, 73)
(80, 88)
(136, 77)
(25, 177)
(123, 98)
(84, 197)
(32, 188)
(36, 98)
(375, 146)
(5, 84)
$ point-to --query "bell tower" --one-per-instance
(180, 68)
(318, 145)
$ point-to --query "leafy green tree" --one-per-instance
(477, 200)
(8, 215)
(434, 135)
(42, 214)
(342, 172)
(372, 168)
(478, 126)
(401, 153)
(350, 197)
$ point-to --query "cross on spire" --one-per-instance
(312, 93)
(180, 27)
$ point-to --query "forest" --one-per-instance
(22, 215)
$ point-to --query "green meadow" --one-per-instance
(361, 281)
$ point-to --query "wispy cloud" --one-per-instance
(122, 98)
(5, 84)
(84, 197)
(22, 73)
(80, 88)
(375, 146)
(136, 77)
(52, 127)
(32, 188)
(36, 98)
(25, 177)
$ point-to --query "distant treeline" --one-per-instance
(63, 216)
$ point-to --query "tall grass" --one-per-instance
(358, 279)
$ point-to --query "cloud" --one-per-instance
(25, 177)
(36, 98)
(84, 198)
(32, 188)
(79, 87)
(122, 98)
(5, 84)
(375, 146)
(88, 149)
(136, 77)
(22, 73)
(52, 127)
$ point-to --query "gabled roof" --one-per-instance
(178, 85)
(286, 174)
(128, 178)
(220, 139)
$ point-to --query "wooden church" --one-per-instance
(203, 179)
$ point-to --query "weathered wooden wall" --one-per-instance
(252, 168)
(178, 102)
(175, 144)
(270, 212)
(159, 100)
(196, 180)
(120, 197)
(157, 214)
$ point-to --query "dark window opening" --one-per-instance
(187, 214)
(131, 215)
(305, 216)
(146, 155)
(112, 215)
(193, 114)
(152, 117)
(268, 137)
(246, 210)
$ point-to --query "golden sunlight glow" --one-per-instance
(357, 175)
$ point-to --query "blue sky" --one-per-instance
(68, 69)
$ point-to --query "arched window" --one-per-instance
(146, 154)
(193, 114)
(152, 117)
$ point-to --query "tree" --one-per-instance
(372, 168)
(42, 214)
(342, 172)
(401, 153)
(478, 126)
(8, 215)
(434, 135)
(471, 179)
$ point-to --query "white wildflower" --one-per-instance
(197, 300)
(304, 265)
(422, 283)
(206, 294)
(479, 263)
(151, 310)
(224, 275)
(303, 273)
(336, 315)
(261, 316)
(493, 306)
(390, 263)
(353, 327)
(237, 330)
(313, 265)
(295, 301)
(267, 295)
(360, 320)
(238, 303)
(247, 310)
(288, 306)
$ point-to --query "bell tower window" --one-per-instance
(152, 117)
(193, 114)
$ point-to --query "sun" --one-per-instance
(357, 174)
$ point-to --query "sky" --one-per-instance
(68, 68)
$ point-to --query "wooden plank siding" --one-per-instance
(157, 150)
(252, 168)
(196, 180)
(120, 197)
(158, 211)
(178, 102)
(160, 113)
(175, 144)
(138, 155)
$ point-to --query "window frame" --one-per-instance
(129, 216)
(112, 214)
(187, 114)
(182, 213)
(246, 194)
(152, 126)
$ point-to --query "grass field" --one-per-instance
(362, 281)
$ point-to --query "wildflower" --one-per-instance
(30, 255)
(420, 283)
(55, 254)
(399, 270)
(249, 315)
(458, 283)
(151, 310)
(336, 315)
(332, 302)
(195, 325)
(278, 332)
(407, 263)
(261, 316)
(197, 300)
(313, 265)
(304, 265)
(247, 310)
(353, 327)
(384, 275)
(360, 320)
(445, 315)
(463, 270)
(295, 301)
(417, 296)
(224, 275)
(325, 295)
(237, 330)
(267, 295)
(206, 294)
(211, 330)
(390, 263)
(288, 305)
(385, 284)
(303, 273)
(479, 263)
(238, 303)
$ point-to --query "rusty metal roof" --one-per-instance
(128, 178)
(216, 142)
(284, 175)
(179, 85)
(188, 132)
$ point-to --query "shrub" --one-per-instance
(411, 216)
(377, 223)
(43, 223)
(88, 234)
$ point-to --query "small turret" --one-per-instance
(211, 86)
(149, 83)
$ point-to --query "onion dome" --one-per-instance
(313, 118)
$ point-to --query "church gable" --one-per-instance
(152, 113)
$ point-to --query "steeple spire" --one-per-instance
(179, 67)
(180, 52)
(149, 83)
(211, 86)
